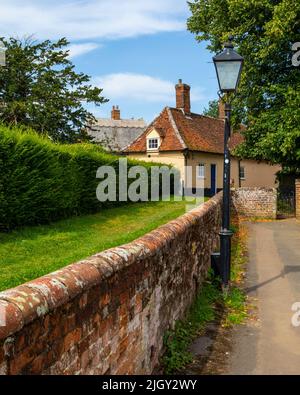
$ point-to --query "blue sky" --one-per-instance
(136, 50)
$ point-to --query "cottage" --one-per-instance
(114, 133)
(185, 139)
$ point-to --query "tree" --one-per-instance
(40, 88)
(212, 110)
(269, 93)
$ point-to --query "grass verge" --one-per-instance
(206, 307)
(31, 252)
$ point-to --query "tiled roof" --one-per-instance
(187, 131)
(115, 135)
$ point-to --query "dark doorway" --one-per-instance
(213, 179)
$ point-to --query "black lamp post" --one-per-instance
(228, 66)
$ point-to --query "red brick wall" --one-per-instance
(298, 198)
(255, 202)
(108, 314)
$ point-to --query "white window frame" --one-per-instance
(201, 170)
(244, 173)
(150, 139)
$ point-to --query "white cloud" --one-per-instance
(91, 19)
(136, 87)
(80, 49)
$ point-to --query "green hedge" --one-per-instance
(41, 181)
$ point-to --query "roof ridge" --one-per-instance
(174, 126)
(199, 115)
(209, 117)
(122, 119)
(120, 127)
(125, 123)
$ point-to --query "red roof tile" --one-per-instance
(186, 131)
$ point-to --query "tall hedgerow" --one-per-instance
(42, 181)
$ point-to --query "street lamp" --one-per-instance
(228, 66)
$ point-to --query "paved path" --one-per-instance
(271, 345)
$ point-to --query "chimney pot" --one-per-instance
(183, 100)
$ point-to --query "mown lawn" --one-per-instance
(31, 252)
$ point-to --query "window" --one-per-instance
(152, 143)
(201, 170)
(242, 172)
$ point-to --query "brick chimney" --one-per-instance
(116, 113)
(183, 100)
(221, 106)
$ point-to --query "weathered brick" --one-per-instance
(68, 323)
(72, 338)
(105, 299)
(21, 361)
(255, 202)
(12, 318)
(104, 314)
(38, 364)
(3, 368)
(84, 359)
(30, 302)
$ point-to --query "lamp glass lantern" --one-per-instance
(228, 66)
(2, 55)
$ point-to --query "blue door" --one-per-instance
(213, 180)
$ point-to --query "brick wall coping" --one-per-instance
(38, 297)
(253, 189)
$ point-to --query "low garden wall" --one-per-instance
(255, 202)
(108, 314)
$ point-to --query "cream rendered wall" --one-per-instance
(256, 174)
(173, 158)
(259, 174)
(195, 158)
